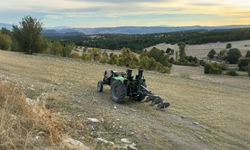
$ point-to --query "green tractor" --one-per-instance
(124, 84)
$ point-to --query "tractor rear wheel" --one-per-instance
(118, 91)
(100, 86)
(140, 97)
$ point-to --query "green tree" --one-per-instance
(85, 56)
(233, 55)
(114, 60)
(147, 63)
(28, 34)
(248, 69)
(211, 53)
(6, 31)
(56, 48)
(5, 41)
(95, 54)
(222, 54)
(182, 53)
(248, 54)
(129, 59)
(67, 49)
(229, 45)
(168, 50)
(243, 64)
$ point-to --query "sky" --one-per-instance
(112, 13)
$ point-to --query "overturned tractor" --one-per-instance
(124, 84)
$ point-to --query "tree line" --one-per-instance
(138, 42)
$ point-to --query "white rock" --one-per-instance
(111, 143)
(124, 140)
(115, 107)
(93, 120)
(122, 147)
(132, 147)
(195, 123)
(41, 133)
(31, 88)
(30, 101)
(37, 137)
(74, 144)
(102, 140)
(133, 144)
(43, 94)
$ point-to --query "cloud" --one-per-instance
(53, 16)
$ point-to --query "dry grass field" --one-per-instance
(206, 112)
(202, 50)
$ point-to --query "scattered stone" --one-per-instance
(124, 140)
(127, 113)
(37, 137)
(201, 137)
(120, 127)
(30, 101)
(132, 147)
(92, 128)
(41, 133)
(32, 85)
(13, 116)
(43, 94)
(122, 147)
(183, 117)
(102, 119)
(102, 140)
(115, 107)
(111, 143)
(132, 133)
(195, 123)
(93, 120)
(117, 119)
(74, 144)
(133, 144)
(31, 88)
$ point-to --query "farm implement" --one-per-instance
(124, 84)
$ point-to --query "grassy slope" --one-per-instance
(221, 110)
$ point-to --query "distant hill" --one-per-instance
(66, 30)
(133, 29)
(5, 25)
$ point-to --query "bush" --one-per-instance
(114, 60)
(5, 41)
(243, 64)
(211, 53)
(104, 59)
(85, 56)
(212, 68)
(248, 54)
(229, 45)
(74, 55)
(232, 73)
(148, 63)
(233, 55)
(248, 69)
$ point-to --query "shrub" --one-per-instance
(243, 64)
(85, 56)
(229, 45)
(233, 55)
(104, 59)
(212, 68)
(114, 60)
(248, 54)
(211, 53)
(74, 55)
(248, 69)
(5, 41)
(148, 63)
(232, 73)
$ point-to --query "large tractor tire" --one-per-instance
(141, 97)
(100, 86)
(118, 91)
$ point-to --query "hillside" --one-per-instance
(206, 112)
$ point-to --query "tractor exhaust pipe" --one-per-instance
(129, 74)
(140, 72)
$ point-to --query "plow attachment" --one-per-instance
(154, 99)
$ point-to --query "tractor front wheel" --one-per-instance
(100, 86)
(118, 91)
